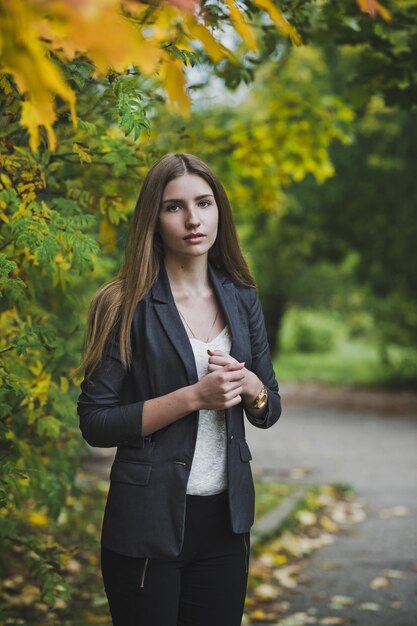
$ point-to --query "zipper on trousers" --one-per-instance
(246, 552)
(142, 582)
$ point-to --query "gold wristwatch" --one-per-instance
(260, 400)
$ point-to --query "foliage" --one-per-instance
(354, 362)
(366, 214)
(382, 52)
(310, 331)
(157, 39)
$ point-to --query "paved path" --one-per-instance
(377, 455)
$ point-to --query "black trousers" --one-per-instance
(205, 585)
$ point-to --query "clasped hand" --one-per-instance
(227, 382)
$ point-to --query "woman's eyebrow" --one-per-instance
(204, 195)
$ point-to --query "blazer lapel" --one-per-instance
(169, 317)
(226, 295)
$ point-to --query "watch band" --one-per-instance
(260, 400)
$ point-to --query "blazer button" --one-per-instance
(231, 438)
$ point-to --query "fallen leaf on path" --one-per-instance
(332, 621)
(369, 606)
(267, 559)
(394, 573)
(261, 616)
(297, 619)
(307, 518)
(267, 592)
(341, 602)
(287, 576)
(302, 545)
(271, 559)
(329, 525)
(380, 582)
(348, 512)
(395, 511)
(259, 570)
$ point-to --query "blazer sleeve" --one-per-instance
(262, 365)
(104, 421)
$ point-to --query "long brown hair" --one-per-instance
(115, 302)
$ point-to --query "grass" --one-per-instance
(269, 495)
(353, 362)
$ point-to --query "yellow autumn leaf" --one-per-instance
(25, 57)
(279, 20)
(280, 559)
(37, 519)
(172, 74)
(35, 367)
(214, 49)
(35, 115)
(244, 30)
(328, 524)
(60, 260)
(41, 388)
(260, 615)
(82, 151)
(63, 384)
(107, 235)
(81, 28)
(373, 7)
(5, 180)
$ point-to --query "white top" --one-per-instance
(209, 471)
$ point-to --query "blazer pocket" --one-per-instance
(130, 472)
(245, 453)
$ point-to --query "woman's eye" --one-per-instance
(204, 203)
(173, 207)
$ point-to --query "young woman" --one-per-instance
(176, 350)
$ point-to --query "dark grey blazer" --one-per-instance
(145, 509)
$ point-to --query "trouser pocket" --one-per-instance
(143, 573)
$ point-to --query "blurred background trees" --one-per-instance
(315, 146)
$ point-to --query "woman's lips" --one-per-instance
(194, 238)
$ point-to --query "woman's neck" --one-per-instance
(187, 277)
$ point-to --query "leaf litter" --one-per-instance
(278, 567)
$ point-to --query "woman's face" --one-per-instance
(189, 217)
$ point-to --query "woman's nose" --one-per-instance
(192, 218)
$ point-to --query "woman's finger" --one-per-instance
(216, 352)
(233, 375)
(233, 391)
(221, 360)
(213, 368)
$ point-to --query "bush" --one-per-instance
(310, 331)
